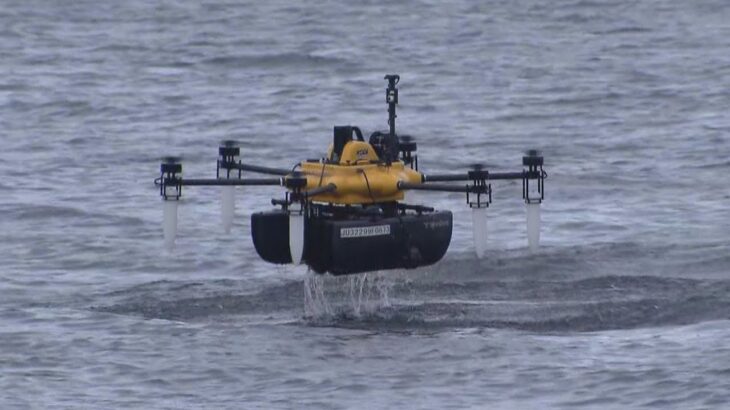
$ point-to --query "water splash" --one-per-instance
(350, 295)
(315, 302)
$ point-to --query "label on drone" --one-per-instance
(365, 231)
(444, 223)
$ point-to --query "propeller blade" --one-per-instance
(228, 207)
(171, 159)
(296, 233)
(230, 144)
(533, 226)
(479, 229)
(169, 222)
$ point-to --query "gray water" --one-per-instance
(626, 305)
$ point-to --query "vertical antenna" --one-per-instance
(391, 97)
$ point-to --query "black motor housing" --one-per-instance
(344, 246)
(385, 145)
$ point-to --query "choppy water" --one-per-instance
(626, 305)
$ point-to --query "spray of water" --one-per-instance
(315, 302)
(327, 296)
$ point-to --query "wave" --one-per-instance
(275, 60)
(404, 301)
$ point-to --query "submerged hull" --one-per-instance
(357, 244)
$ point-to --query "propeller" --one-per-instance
(407, 139)
(170, 167)
(228, 207)
(533, 161)
(407, 147)
(479, 215)
(228, 151)
(296, 182)
(296, 232)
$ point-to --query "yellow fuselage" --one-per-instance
(358, 177)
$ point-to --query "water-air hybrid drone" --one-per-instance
(343, 213)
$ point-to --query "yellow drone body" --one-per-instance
(359, 175)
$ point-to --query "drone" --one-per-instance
(344, 213)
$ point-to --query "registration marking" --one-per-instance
(365, 231)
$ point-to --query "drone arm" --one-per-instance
(403, 186)
(253, 168)
(320, 190)
(493, 176)
(444, 177)
(479, 194)
(230, 182)
(515, 175)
